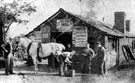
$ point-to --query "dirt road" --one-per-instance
(48, 75)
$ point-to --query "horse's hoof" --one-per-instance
(62, 74)
(35, 72)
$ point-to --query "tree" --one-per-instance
(10, 12)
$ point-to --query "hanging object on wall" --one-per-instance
(45, 34)
(38, 36)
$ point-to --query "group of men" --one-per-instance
(89, 55)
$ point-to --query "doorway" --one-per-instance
(62, 37)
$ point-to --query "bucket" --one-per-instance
(71, 73)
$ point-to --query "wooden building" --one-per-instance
(65, 27)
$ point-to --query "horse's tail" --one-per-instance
(38, 50)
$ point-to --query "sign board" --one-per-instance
(46, 34)
(79, 36)
(64, 25)
(45, 28)
(38, 34)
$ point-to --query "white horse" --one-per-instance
(41, 50)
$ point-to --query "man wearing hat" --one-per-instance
(89, 55)
(100, 58)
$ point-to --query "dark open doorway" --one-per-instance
(62, 37)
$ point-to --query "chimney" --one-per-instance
(120, 22)
(128, 25)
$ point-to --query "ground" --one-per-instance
(25, 74)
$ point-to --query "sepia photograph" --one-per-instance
(67, 41)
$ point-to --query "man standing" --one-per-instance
(7, 47)
(101, 58)
(88, 54)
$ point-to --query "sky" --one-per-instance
(96, 9)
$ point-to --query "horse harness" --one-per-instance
(39, 46)
(28, 48)
(39, 49)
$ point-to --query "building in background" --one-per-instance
(64, 27)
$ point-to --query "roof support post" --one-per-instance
(118, 54)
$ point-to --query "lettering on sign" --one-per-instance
(45, 35)
(79, 36)
(64, 25)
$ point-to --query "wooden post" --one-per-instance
(107, 66)
(118, 53)
(106, 41)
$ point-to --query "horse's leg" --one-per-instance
(53, 61)
(61, 72)
(35, 62)
(65, 67)
(61, 69)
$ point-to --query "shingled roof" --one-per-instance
(108, 29)
(95, 23)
